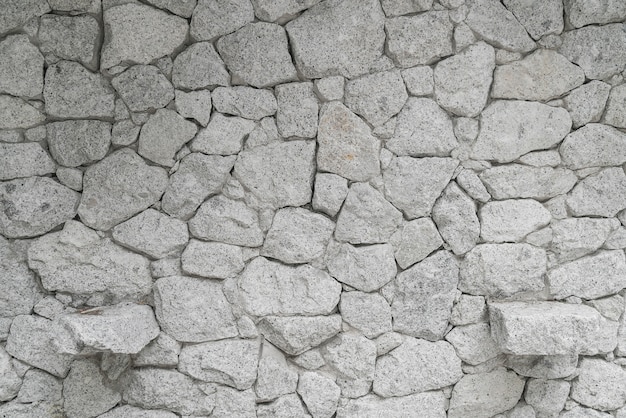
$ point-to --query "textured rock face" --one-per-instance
(21, 68)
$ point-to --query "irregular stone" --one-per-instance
(278, 174)
(414, 184)
(274, 376)
(514, 181)
(34, 205)
(502, 270)
(512, 220)
(423, 129)
(127, 411)
(462, 81)
(319, 393)
(232, 402)
(616, 107)
(124, 132)
(430, 404)
(337, 38)
(85, 391)
(139, 33)
(600, 385)
(473, 343)
(598, 50)
(419, 40)
(163, 135)
(414, 241)
(228, 221)
(183, 312)
(270, 288)
(15, 15)
(416, 366)
(580, 13)
(31, 341)
(20, 292)
(601, 194)
(297, 236)
(73, 143)
(17, 113)
(121, 177)
(288, 406)
(346, 144)
(38, 409)
(212, 259)
(10, 382)
(153, 388)
(495, 24)
(485, 394)
(586, 103)
(539, 18)
(581, 412)
(544, 367)
(512, 128)
(330, 192)
(394, 8)
(72, 38)
(330, 88)
(366, 268)
(368, 312)
(547, 158)
(547, 396)
(213, 18)
(297, 334)
(468, 309)
(75, 5)
(71, 91)
(224, 135)
(573, 238)
(352, 356)
(244, 101)
(258, 54)
(542, 76)
(198, 177)
(312, 359)
(297, 110)
(199, 66)
(455, 215)
(473, 186)
(21, 67)
(162, 351)
(143, 88)
(39, 386)
(232, 362)
(24, 160)
(377, 97)
(182, 8)
(543, 328)
(194, 105)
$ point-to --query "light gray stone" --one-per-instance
(542, 76)
(73, 143)
(127, 411)
(212, 259)
(232, 402)
(366, 268)
(17, 14)
(194, 105)
(81, 6)
(161, 352)
(514, 181)
(430, 404)
(377, 97)
(273, 10)
(394, 8)
(297, 334)
(140, 34)
(600, 385)
(199, 66)
(71, 38)
(24, 160)
(511, 220)
(547, 396)
(10, 381)
(330, 192)
(539, 18)
(615, 107)
(224, 135)
(580, 13)
(34, 205)
(163, 135)
(473, 186)
(17, 281)
(319, 393)
(183, 8)
(39, 386)
(573, 238)
(601, 194)
(416, 366)
(368, 312)
(455, 215)
(70, 177)
(337, 38)
(17, 113)
(582, 412)
(143, 88)
(513, 128)
(288, 406)
(414, 241)
(21, 67)
(468, 309)
(85, 391)
(274, 376)
(544, 367)
(462, 82)
(124, 132)
(330, 88)
(214, 18)
(419, 80)
(297, 110)
(183, 312)
(244, 101)
(547, 158)
(473, 343)
(351, 355)
(586, 103)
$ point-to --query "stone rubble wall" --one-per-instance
(307, 208)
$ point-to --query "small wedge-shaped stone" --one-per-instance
(544, 367)
(78, 142)
(21, 67)
(352, 355)
(594, 145)
(414, 241)
(586, 103)
(455, 215)
(346, 144)
(598, 275)
(416, 366)
(273, 10)
(430, 404)
(16, 14)
(377, 97)
(422, 129)
(513, 181)
(573, 238)
(601, 194)
(541, 76)
(270, 288)
(543, 328)
(366, 268)
(17, 113)
(539, 17)
(244, 101)
(582, 13)
(212, 259)
(199, 66)
(510, 129)
(213, 18)
(232, 362)
(124, 328)
(143, 87)
(163, 135)
(72, 38)
(140, 33)
(24, 160)
(223, 136)
(121, 177)
(76, 260)
(502, 270)
(184, 312)
(162, 351)
(511, 220)
(34, 205)
(338, 38)
(297, 334)
(473, 343)
(600, 385)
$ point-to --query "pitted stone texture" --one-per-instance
(424, 295)
(232, 402)
(70, 37)
(586, 103)
(581, 13)
(199, 66)
(223, 135)
(485, 394)
(599, 50)
(258, 54)
(297, 334)
(511, 220)
(121, 177)
(270, 288)
(430, 404)
(601, 194)
(17, 281)
(78, 142)
(352, 355)
(377, 97)
(274, 376)
(416, 366)
(544, 367)
(24, 160)
(85, 391)
(162, 351)
(366, 268)
(127, 411)
(423, 129)
(278, 174)
(71, 91)
(539, 18)
(10, 382)
(543, 328)
(163, 135)
(468, 310)
(140, 34)
(21, 67)
(319, 393)
(152, 233)
(183, 8)
(455, 215)
(414, 184)
(278, 10)
(337, 38)
(244, 101)
(212, 259)
(594, 145)
(297, 236)
(194, 105)
(541, 76)
(288, 406)
(143, 87)
(368, 312)
(16, 14)
(521, 181)
(573, 238)
(502, 270)
(547, 396)
(414, 241)
(198, 177)
(75, 5)
(600, 385)
(330, 192)
(510, 129)
(17, 113)
(34, 205)
(616, 107)
(183, 312)
(77, 261)
(214, 18)
(462, 82)
(473, 343)
(297, 110)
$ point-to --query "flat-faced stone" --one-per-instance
(539, 17)
(199, 66)
(600, 385)
(224, 135)
(368, 312)
(17, 14)
(143, 87)
(513, 181)
(24, 160)
(573, 238)
(601, 194)
(212, 259)
(78, 142)
(586, 103)
(473, 343)
(430, 404)
(297, 334)
(297, 110)
(581, 13)
(194, 105)
(17, 113)
(319, 393)
(72, 38)
(594, 145)
(455, 215)
(377, 97)
(352, 355)
(163, 135)
(414, 241)
(366, 268)
(547, 396)
(214, 18)
(21, 67)
(162, 351)
(288, 406)
(511, 220)
(85, 391)
(244, 101)
(330, 192)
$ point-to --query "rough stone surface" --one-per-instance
(615, 107)
(17, 113)
(212, 259)
(18, 282)
(473, 343)
(244, 101)
(430, 404)
(212, 18)
(163, 135)
(367, 312)
(377, 97)
(511, 220)
(143, 87)
(514, 181)
(580, 13)
(573, 238)
(414, 241)
(600, 385)
(454, 214)
(297, 110)
(295, 335)
(70, 37)
(194, 105)
(16, 14)
(601, 194)
(85, 391)
(366, 268)
(21, 67)
(199, 66)
(330, 192)
(223, 135)
(274, 376)
(74, 143)
(586, 103)
(24, 160)
(539, 18)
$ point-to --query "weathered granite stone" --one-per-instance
(377, 97)
(212, 259)
(244, 101)
(319, 393)
(21, 67)
(279, 10)
(232, 402)
(455, 215)
(71, 38)
(127, 411)
(183, 8)
(580, 13)
(547, 396)
(143, 87)
(163, 135)
(368, 312)
(520, 181)
(17, 113)
(547, 158)
(586, 103)
(366, 268)
(544, 367)
(85, 391)
(601, 194)
(430, 404)
(124, 132)
(39, 386)
(297, 110)
(297, 334)
(414, 241)
(468, 309)
(352, 355)
(224, 135)
(24, 160)
(615, 107)
(330, 192)
(511, 220)
(194, 105)
(214, 18)
(473, 186)
(199, 66)
(573, 238)
(10, 381)
(600, 385)
(78, 142)
(288, 406)
(161, 352)
(17, 14)
(473, 343)
(274, 376)
(17, 281)
(539, 18)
